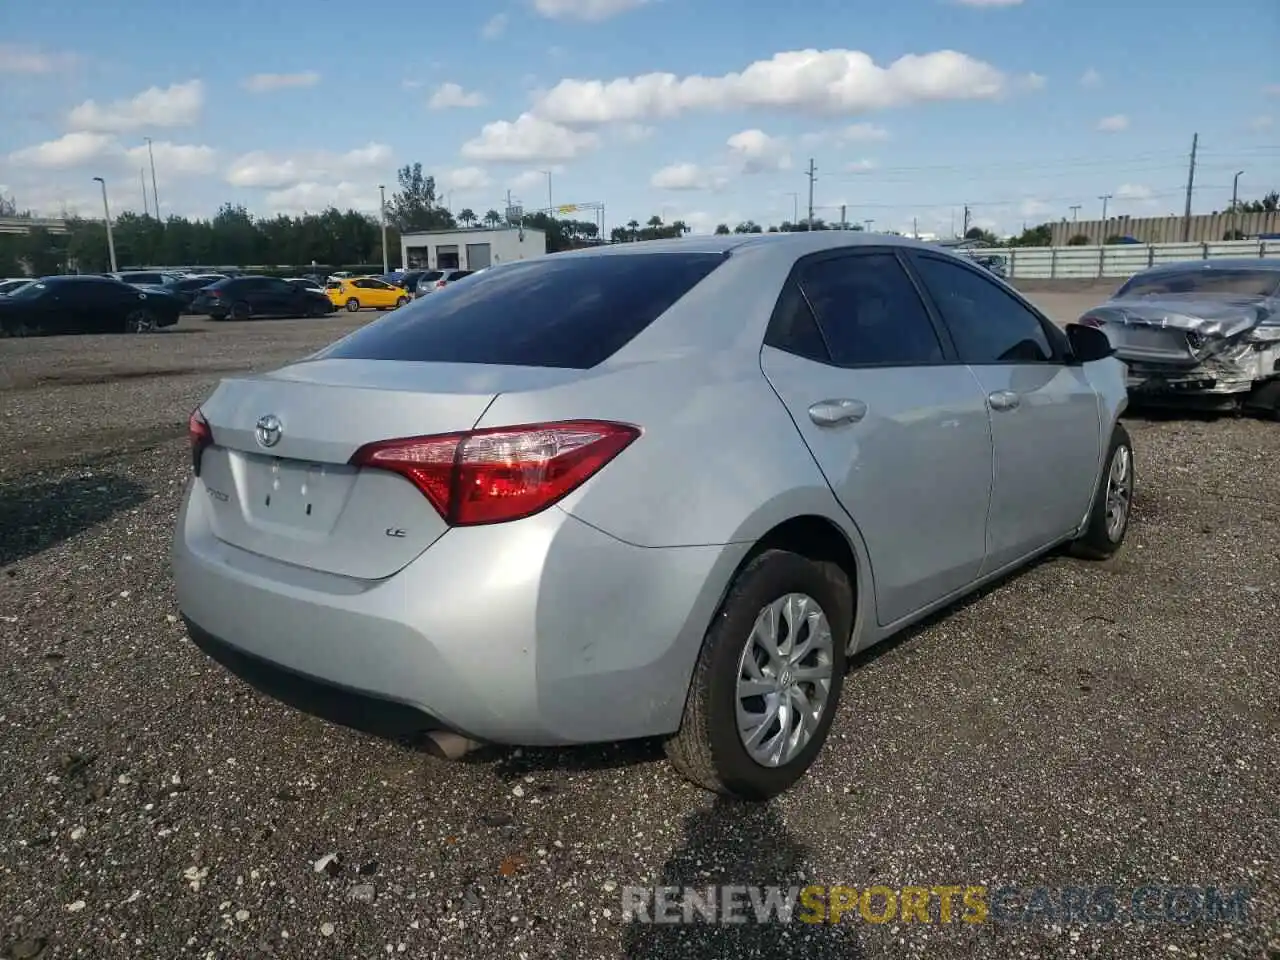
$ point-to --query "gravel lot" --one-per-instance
(1080, 724)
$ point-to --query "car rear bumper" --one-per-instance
(543, 631)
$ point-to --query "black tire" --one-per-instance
(140, 321)
(707, 749)
(401, 302)
(1264, 401)
(353, 305)
(1100, 541)
(240, 311)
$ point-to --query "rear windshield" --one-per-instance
(1198, 280)
(431, 275)
(573, 312)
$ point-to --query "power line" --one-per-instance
(1011, 201)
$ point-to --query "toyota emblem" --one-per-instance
(268, 430)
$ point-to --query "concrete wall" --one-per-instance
(1119, 260)
(1205, 228)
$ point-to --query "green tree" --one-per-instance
(722, 229)
(1079, 240)
(467, 217)
(414, 207)
(1041, 236)
(493, 218)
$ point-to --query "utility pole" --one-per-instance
(1235, 193)
(812, 171)
(915, 228)
(550, 208)
(1104, 198)
(965, 232)
(1075, 213)
(843, 222)
(154, 195)
(1191, 182)
(795, 207)
(142, 179)
(106, 212)
(382, 220)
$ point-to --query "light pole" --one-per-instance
(1104, 198)
(106, 211)
(1235, 215)
(154, 195)
(550, 207)
(1075, 213)
(795, 207)
(382, 220)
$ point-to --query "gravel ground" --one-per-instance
(1080, 724)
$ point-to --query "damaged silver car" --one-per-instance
(1205, 331)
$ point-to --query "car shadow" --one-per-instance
(731, 843)
(37, 515)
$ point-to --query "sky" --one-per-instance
(706, 111)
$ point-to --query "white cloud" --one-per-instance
(465, 178)
(1114, 124)
(177, 105)
(171, 158)
(1133, 191)
(590, 10)
(756, 152)
(311, 197)
(16, 58)
(262, 169)
(686, 176)
(530, 179)
(860, 166)
(494, 26)
(450, 95)
(528, 138)
(70, 150)
(635, 132)
(863, 133)
(819, 81)
(266, 82)
(1033, 81)
(1091, 78)
(1261, 123)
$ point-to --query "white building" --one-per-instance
(469, 249)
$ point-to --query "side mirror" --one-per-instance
(1088, 344)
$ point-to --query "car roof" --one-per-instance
(1256, 264)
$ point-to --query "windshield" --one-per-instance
(1203, 282)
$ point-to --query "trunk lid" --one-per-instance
(297, 500)
(1181, 331)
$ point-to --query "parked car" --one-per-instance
(249, 297)
(993, 262)
(649, 489)
(184, 288)
(85, 304)
(429, 285)
(308, 283)
(426, 282)
(358, 292)
(9, 285)
(153, 277)
(1202, 331)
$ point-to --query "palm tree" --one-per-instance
(467, 217)
(493, 218)
(655, 221)
(680, 228)
(633, 227)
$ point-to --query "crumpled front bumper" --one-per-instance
(1236, 370)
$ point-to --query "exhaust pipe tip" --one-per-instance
(449, 746)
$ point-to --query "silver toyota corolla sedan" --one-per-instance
(652, 489)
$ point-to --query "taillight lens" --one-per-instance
(439, 284)
(502, 474)
(201, 436)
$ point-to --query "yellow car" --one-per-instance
(356, 292)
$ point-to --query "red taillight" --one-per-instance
(496, 475)
(1091, 321)
(439, 284)
(200, 435)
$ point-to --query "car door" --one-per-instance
(1045, 416)
(896, 423)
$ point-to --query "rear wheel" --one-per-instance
(353, 305)
(1112, 503)
(241, 311)
(768, 678)
(139, 321)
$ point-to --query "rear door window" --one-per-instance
(573, 312)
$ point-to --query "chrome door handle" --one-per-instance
(1003, 400)
(830, 413)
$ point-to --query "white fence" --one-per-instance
(1121, 259)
